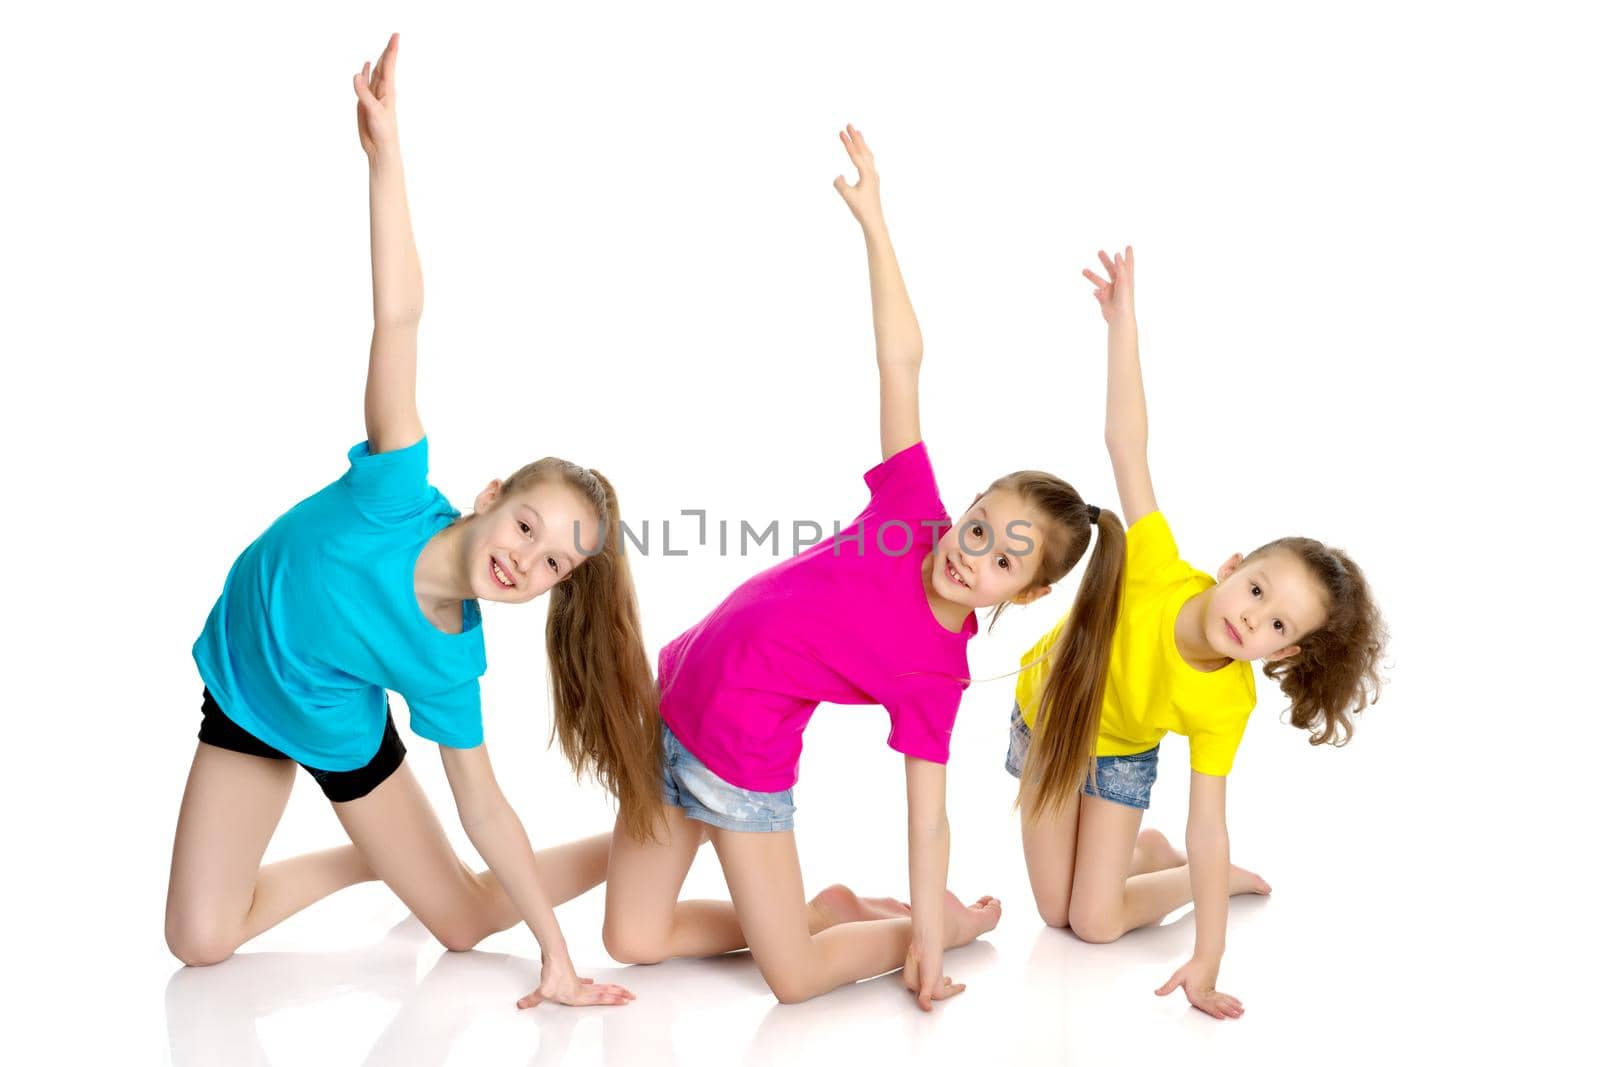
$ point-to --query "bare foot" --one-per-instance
(838, 904)
(1243, 881)
(1153, 852)
(964, 924)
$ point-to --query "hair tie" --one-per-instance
(1094, 515)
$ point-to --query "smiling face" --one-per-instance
(1262, 608)
(992, 553)
(520, 544)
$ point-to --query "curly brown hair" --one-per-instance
(1335, 673)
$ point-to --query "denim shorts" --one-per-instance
(1122, 779)
(689, 784)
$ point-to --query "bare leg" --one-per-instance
(646, 923)
(218, 894)
(1153, 852)
(763, 872)
(395, 829)
(1049, 845)
(566, 871)
(1106, 903)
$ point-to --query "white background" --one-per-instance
(1366, 236)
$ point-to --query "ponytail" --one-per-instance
(1067, 724)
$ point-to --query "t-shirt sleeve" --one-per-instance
(903, 488)
(453, 718)
(1153, 561)
(920, 722)
(390, 487)
(1212, 751)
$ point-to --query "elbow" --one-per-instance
(1123, 443)
(479, 815)
(1207, 839)
(931, 826)
(394, 320)
(905, 359)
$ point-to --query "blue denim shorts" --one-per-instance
(1122, 779)
(689, 784)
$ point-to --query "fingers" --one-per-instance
(1109, 265)
(391, 56)
(842, 186)
(1100, 283)
(601, 994)
(1172, 983)
(531, 1000)
(364, 85)
(855, 145)
(861, 141)
(606, 989)
(943, 990)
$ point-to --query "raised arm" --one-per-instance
(1207, 844)
(1127, 432)
(495, 831)
(391, 400)
(894, 324)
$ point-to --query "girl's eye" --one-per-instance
(1005, 564)
(1255, 590)
(554, 566)
(1277, 624)
(525, 527)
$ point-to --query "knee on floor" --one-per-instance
(1096, 926)
(631, 946)
(197, 944)
(457, 935)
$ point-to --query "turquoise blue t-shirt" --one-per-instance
(319, 617)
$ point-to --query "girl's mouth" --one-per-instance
(951, 573)
(502, 579)
(1232, 632)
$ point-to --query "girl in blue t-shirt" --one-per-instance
(372, 584)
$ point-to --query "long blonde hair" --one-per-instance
(1067, 723)
(607, 708)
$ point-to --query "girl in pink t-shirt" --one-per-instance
(880, 614)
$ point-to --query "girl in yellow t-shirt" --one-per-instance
(1179, 661)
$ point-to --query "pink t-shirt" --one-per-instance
(846, 621)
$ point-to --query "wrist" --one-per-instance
(873, 227)
(384, 158)
(555, 959)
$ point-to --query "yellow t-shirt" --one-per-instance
(1150, 690)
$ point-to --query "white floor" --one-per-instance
(1360, 952)
(1367, 254)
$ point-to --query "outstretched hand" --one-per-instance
(862, 197)
(375, 97)
(1115, 294)
(1199, 983)
(568, 988)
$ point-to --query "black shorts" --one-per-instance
(219, 730)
